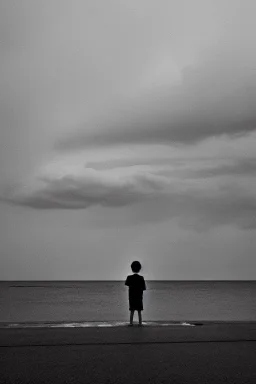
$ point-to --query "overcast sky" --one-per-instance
(127, 132)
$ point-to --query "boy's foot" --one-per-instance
(140, 325)
(130, 325)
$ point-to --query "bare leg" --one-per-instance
(131, 317)
(140, 318)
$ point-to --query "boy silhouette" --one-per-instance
(136, 284)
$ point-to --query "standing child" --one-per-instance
(136, 284)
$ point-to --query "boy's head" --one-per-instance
(136, 266)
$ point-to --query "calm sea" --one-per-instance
(108, 301)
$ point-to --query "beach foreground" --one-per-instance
(211, 353)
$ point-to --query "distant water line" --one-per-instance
(107, 301)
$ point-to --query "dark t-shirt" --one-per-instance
(136, 284)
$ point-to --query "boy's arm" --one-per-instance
(144, 285)
(127, 281)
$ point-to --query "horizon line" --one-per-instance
(118, 280)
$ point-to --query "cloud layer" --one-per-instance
(188, 77)
(198, 194)
(214, 96)
(86, 188)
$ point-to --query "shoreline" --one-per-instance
(117, 323)
(90, 324)
(212, 353)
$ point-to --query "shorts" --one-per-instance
(135, 303)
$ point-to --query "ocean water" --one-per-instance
(108, 301)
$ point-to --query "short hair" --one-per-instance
(136, 266)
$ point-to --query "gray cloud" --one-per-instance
(190, 167)
(210, 168)
(84, 190)
(198, 120)
(215, 97)
(199, 213)
(237, 167)
(194, 202)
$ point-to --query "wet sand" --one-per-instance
(210, 353)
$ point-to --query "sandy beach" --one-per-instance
(211, 353)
